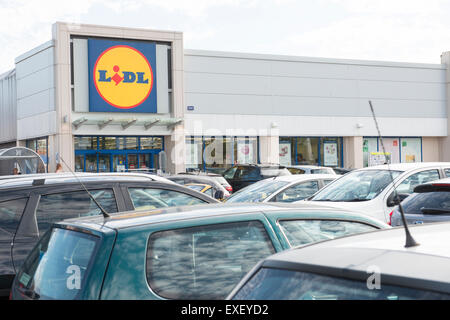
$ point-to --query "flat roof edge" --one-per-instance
(34, 51)
(260, 56)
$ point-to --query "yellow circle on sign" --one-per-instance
(123, 77)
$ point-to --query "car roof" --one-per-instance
(138, 218)
(309, 166)
(57, 178)
(384, 248)
(406, 166)
(303, 177)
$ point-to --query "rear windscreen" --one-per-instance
(417, 202)
(58, 265)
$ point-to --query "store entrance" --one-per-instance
(110, 162)
(117, 154)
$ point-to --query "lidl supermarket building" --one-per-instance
(108, 99)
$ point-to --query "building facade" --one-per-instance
(110, 99)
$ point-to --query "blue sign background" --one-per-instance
(96, 102)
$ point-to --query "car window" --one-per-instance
(152, 198)
(327, 181)
(278, 284)
(10, 214)
(195, 187)
(298, 192)
(447, 172)
(230, 173)
(46, 274)
(301, 232)
(59, 206)
(245, 173)
(204, 262)
(407, 186)
(439, 200)
(258, 191)
(296, 171)
(210, 192)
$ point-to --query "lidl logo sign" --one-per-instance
(122, 77)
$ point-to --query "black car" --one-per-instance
(29, 205)
(430, 202)
(240, 176)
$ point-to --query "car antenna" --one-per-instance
(104, 213)
(410, 242)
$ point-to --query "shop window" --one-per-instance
(369, 145)
(411, 149)
(108, 143)
(40, 146)
(150, 143)
(307, 151)
(397, 149)
(85, 143)
(330, 151)
(287, 148)
(216, 154)
(246, 150)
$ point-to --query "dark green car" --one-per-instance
(195, 252)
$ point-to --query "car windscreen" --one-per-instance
(437, 202)
(258, 191)
(279, 284)
(362, 185)
(58, 265)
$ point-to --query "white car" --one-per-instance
(371, 191)
(309, 169)
(283, 188)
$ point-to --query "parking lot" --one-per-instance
(229, 179)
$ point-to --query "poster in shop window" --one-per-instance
(330, 155)
(244, 153)
(285, 154)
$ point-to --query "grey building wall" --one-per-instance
(35, 75)
(235, 83)
(8, 107)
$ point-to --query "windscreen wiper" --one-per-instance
(434, 210)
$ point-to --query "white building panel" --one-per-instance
(8, 107)
(36, 92)
(254, 84)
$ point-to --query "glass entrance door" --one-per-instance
(132, 161)
(104, 163)
(119, 161)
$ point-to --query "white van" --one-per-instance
(371, 191)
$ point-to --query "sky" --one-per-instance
(385, 30)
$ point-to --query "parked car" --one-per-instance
(310, 169)
(28, 206)
(207, 189)
(196, 252)
(213, 181)
(430, 202)
(240, 176)
(342, 171)
(213, 176)
(370, 266)
(282, 189)
(370, 190)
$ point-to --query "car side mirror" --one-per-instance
(393, 201)
(219, 194)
